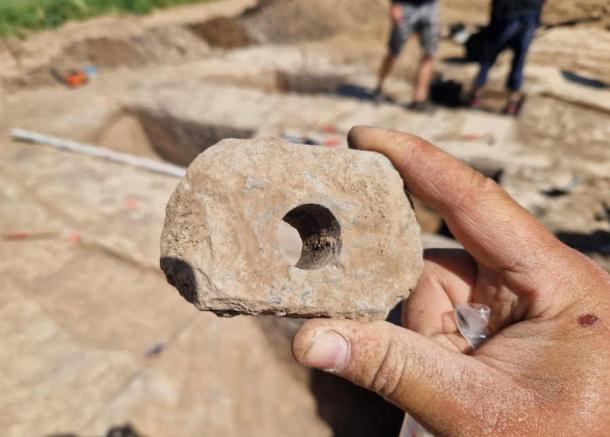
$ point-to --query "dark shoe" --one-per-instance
(419, 106)
(513, 107)
(474, 103)
(377, 97)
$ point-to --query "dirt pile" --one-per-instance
(152, 46)
(286, 21)
(557, 12)
(554, 12)
(223, 32)
(162, 38)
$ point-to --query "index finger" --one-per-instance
(493, 228)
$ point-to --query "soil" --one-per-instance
(226, 33)
(279, 21)
(88, 320)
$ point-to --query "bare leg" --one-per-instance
(423, 78)
(384, 70)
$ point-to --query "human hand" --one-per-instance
(396, 13)
(544, 370)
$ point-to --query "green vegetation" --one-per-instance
(18, 15)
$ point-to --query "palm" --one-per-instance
(450, 278)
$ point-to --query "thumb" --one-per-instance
(442, 389)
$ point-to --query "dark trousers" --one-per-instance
(514, 33)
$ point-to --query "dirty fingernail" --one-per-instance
(328, 351)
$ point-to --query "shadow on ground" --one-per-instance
(126, 430)
(349, 410)
(446, 93)
(594, 242)
(352, 411)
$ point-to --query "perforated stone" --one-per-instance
(268, 227)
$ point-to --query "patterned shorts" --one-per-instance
(422, 19)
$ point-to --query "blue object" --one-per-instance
(90, 70)
(515, 33)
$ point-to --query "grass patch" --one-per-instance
(19, 15)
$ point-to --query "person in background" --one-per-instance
(513, 25)
(408, 16)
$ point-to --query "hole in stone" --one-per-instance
(309, 237)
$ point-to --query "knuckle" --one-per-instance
(388, 373)
(406, 140)
(476, 191)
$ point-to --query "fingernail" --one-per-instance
(328, 351)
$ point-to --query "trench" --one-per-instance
(148, 133)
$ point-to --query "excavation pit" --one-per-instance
(153, 134)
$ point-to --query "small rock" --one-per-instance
(354, 250)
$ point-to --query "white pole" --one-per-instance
(99, 152)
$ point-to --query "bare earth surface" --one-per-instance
(93, 337)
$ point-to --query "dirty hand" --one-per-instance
(545, 369)
(396, 13)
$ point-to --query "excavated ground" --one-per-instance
(94, 338)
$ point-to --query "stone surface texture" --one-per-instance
(361, 248)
